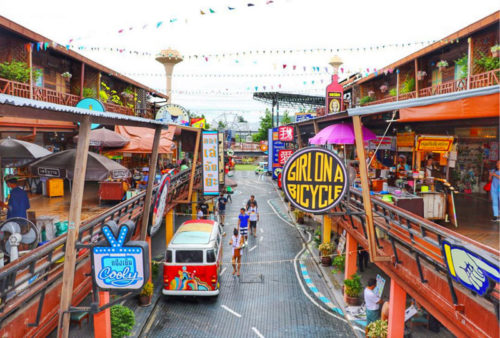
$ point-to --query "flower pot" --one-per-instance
(300, 220)
(353, 301)
(145, 300)
(326, 260)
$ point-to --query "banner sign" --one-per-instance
(314, 179)
(277, 145)
(405, 139)
(117, 263)
(285, 134)
(284, 155)
(173, 113)
(304, 116)
(120, 174)
(210, 163)
(221, 159)
(51, 172)
(198, 123)
(379, 288)
(159, 204)
(434, 143)
(386, 143)
(334, 102)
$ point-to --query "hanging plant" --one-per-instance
(442, 64)
(383, 88)
(495, 51)
(66, 75)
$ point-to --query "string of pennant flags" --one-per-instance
(249, 90)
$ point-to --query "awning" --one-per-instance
(423, 101)
(141, 140)
(41, 125)
(471, 107)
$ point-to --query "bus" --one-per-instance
(193, 260)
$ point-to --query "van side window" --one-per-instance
(168, 256)
(211, 257)
(189, 256)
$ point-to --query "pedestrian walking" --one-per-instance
(495, 190)
(236, 243)
(250, 201)
(243, 225)
(253, 214)
(229, 192)
(204, 209)
(199, 213)
(372, 302)
(221, 208)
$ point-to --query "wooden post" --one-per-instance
(102, 320)
(397, 86)
(326, 234)
(299, 138)
(75, 210)
(195, 160)
(469, 62)
(316, 128)
(416, 78)
(151, 182)
(367, 203)
(30, 65)
(397, 307)
(82, 80)
(169, 226)
(351, 256)
(194, 204)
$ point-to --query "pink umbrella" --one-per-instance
(340, 133)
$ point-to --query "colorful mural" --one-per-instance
(187, 281)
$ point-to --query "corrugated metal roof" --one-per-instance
(423, 101)
(75, 113)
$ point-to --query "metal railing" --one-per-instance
(33, 273)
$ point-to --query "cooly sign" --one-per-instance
(210, 163)
(120, 265)
(314, 179)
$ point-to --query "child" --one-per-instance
(236, 245)
(243, 225)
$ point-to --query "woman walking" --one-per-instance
(236, 244)
(495, 190)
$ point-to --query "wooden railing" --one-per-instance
(47, 95)
(476, 81)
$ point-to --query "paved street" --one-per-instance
(268, 300)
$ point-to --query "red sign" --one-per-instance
(283, 155)
(285, 133)
(334, 96)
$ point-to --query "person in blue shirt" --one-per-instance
(18, 202)
(495, 190)
(243, 224)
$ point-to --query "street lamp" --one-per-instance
(335, 62)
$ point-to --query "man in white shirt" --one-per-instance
(372, 302)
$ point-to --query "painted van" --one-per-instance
(193, 260)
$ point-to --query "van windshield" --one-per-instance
(189, 256)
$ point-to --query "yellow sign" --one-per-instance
(405, 139)
(314, 179)
(434, 143)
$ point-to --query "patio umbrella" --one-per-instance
(340, 133)
(18, 153)
(106, 138)
(63, 163)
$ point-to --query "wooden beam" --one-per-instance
(193, 165)
(30, 65)
(299, 137)
(316, 128)
(367, 203)
(416, 78)
(75, 210)
(82, 80)
(470, 55)
(397, 85)
(151, 181)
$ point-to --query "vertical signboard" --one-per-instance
(221, 159)
(270, 150)
(277, 145)
(334, 96)
(210, 163)
(285, 133)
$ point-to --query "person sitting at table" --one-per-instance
(402, 167)
(143, 183)
(17, 202)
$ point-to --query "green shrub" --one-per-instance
(147, 289)
(463, 64)
(18, 71)
(488, 63)
(338, 263)
(352, 286)
(393, 92)
(89, 92)
(377, 329)
(122, 321)
(317, 237)
(408, 85)
(366, 99)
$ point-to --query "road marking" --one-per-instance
(261, 238)
(257, 332)
(252, 248)
(231, 311)
(222, 272)
(261, 230)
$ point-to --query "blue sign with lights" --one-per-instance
(120, 264)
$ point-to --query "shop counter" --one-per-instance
(111, 191)
(414, 204)
(434, 204)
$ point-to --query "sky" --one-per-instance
(222, 86)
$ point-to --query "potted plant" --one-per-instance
(495, 51)
(122, 321)
(66, 75)
(146, 294)
(393, 92)
(326, 250)
(317, 237)
(352, 289)
(366, 99)
(383, 88)
(299, 216)
(338, 264)
(377, 329)
(421, 74)
(442, 64)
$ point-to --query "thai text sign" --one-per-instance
(314, 179)
(277, 145)
(49, 172)
(434, 143)
(221, 158)
(285, 134)
(284, 155)
(210, 163)
(119, 264)
(405, 139)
